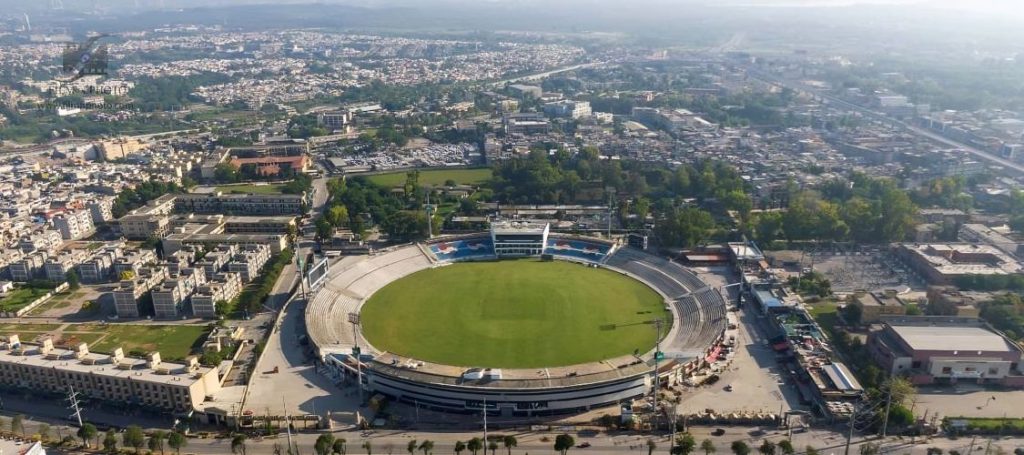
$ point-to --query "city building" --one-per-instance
(334, 120)
(99, 267)
(525, 123)
(259, 224)
(946, 350)
(241, 204)
(519, 238)
(128, 295)
(522, 91)
(222, 287)
(875, 305)
(115, 379)
(249, 260)
(119, 148)
(28, 267)
(74, 224)
(151, 220)
(942, 263)
(101, 210)
(568, 109)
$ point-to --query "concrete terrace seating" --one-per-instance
(462, 249)
(577, 249)
(349, 283)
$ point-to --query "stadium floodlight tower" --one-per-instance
(356, 352)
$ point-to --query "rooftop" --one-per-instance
(946, 338)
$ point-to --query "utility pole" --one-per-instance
(849, 435)
(430, 218)
(885, 418)
(287, 425)
(657, 354)
(73, 400)
(485, 423)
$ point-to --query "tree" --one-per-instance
(708, 447)
(651, 445)
(869, 449)
(810, 450)
(492, 446)
(563, 443)
(337, 215)
(427, 447)
(156, 441)
(459, 447)
(475, 445)
(786, 447)
(510, 443)
(938, 451)
(110, 441)
(411, 447)
(740, 448)
(176, 441)
(18, 424)
(852, 314)
(238, 444)
(133, 437)
(86, 432)
(324, 443)
(685, 444)
(44, 432)
(767, 448)
(73, 281)
(339, 446)
(368, 447)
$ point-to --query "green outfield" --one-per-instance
(513, 314)
(435, 177)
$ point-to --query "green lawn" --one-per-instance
(273, 188)
(20, 297)
(435, 177)
(513, 314)
(173, 341)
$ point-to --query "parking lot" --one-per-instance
(871, 270)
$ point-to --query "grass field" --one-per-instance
(273, 188)
(18, 298)
(435, 177)
(513, 314)
(173, 341)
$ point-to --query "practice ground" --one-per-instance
(434, 177)
(271, 188)
(172, 341)
(513, 314)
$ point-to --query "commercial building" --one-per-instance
(525, 123)
(943, 349)
(941, 263)
(241, 204)
(150, 383)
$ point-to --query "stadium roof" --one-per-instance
(967, 339)
(518, 227)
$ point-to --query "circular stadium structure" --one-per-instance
(527, 388)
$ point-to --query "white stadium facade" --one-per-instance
(696, 333)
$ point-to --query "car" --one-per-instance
(583, 445)
(718, 432)
(728, 388)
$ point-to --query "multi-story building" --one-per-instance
(119, 148)
(115, 379)
(259, 224)
(170, 298)
(241, 204)
(74, 224)
(942, 263)
(133, 261)
(101, 210)
(334, 120)
(947, 350)
(568, 109)
(28, 267)
(221, 288)
(57, 267)
(249, 260)
(216, 259)
(98, 268)
(523, 91)
(130, 292)
(45, 240)
(151, 220)
(875, 305)
(525, 123)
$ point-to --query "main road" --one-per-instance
(1009, 165)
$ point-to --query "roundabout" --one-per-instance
(522, 313)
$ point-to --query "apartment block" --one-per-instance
(170, 298)
(133, 261)
(101, 210)
(45, 240)
(74, 224)
(241, 204)
(113, 379)
(249, 260)
(222, 287)
(130, 292)
(57, 267)
(99, 267)
(28, 267)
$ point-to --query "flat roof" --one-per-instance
(947, 338)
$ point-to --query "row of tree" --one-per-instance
(133, 437)
(133, 198)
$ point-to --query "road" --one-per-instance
(533, 77)
(1009, 165)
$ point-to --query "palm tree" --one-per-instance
(510, 442)
(459, 447)
(411, 447)
(156, 441)
(238, 444)
(740, 448)
(707, 446)
(339, 446)
(368, 447)
(492, 446)
(475, 445)
(786, 447)
(176, 441)
(651, 445)
(767, 448)
(87, 431)
(324, 443)
(427, 447)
